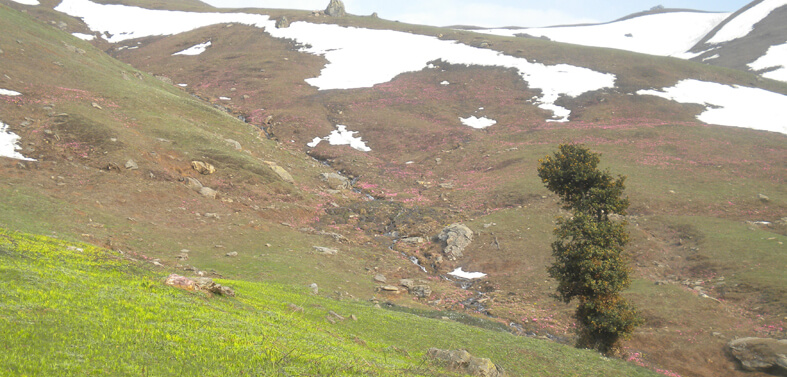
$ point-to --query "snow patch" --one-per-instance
(666, 34)
(466, 275)
(735, 106)
(743, 24)
(445, 83)
(6, 92)
(776, 57)
(26, 2)
(8, 144)
(711, 57)
(84, 37)
(183, 85)
(194, 50)
(125, 22)
(225, 98)
(477, 123)
(341, 136)
(350, 51)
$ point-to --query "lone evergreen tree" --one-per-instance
(589, 265)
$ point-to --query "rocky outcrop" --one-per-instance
(198, 284)
(761, 354)
(456, 237)
(335, 9)
(282, 22)
(464, 362)
(280, 171)
(336, 181)
(203, 167)
(197, 186)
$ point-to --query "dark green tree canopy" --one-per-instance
(572, 173)
(588, 260)
(589, 264)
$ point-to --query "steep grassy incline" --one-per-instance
(74, 309)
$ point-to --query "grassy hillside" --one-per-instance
(74, 309)
(697, 217)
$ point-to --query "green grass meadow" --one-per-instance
(77, 310)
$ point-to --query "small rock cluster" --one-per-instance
(466, 363)
(201, 284)
(456, 238)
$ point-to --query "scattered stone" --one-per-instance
(375, 16)
(463, 361)
(194, 184)
(336, 315)
(380, 278)
(208, 285)
(165, 79)
(353, 317)
(282, 22)
(335, 9)
(181, 282)
(407, 283)
(314, 288)
(456, 238)
(208, 192)
(97, 106)
(234, 144)
(326, 250)
(203, 167)
(413, 240)
(295, 308)
(336, 236)
(131, 165)
(336, 181)
(763, 198)
(231, 254)
(760, 354)
(212, 215)
(422, 291)
(389, 288)
(280, 171)
(447, 186)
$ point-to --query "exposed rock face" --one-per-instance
(208, 285)
(280, 171)
(181, 282)
(203, 167)
(335, 9)
(422, 291)
(456, 238)
(198, 284)
(336, 181)
(465, 362)
(282, 23)
(131, 165)
(761, 354)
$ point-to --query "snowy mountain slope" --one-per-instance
(350, 50)
(749, 40)
(666, 34)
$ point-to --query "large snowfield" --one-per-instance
(666, 34)
(743, 24)
(359, 58)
